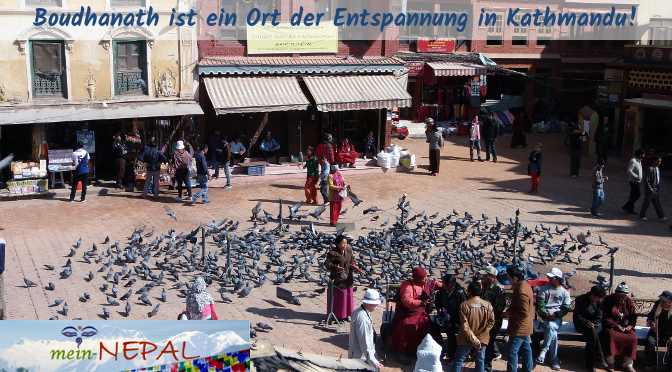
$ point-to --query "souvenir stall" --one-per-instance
(27, 175)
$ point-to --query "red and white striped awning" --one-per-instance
(457, 69)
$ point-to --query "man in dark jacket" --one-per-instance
(448, 300)
(588, 322)
(152, 159)
(575, 145)
(120, 155)
(223, 160)
(659, 316)
(213, 143)
(202, 175)
(490, 132)
(652, 192)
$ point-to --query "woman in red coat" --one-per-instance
(518, 127)
(411, 323)
(618, 328)
(346, 154)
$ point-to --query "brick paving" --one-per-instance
(41, 232)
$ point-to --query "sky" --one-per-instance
(155, 330)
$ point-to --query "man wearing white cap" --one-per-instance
(553, 302)
(362, 336)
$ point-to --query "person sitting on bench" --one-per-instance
(448, 301)
(588, 322)
(346, 155)
(553, 302)
(618, 337)
(660, 315)
(237, 150)
(270, 147)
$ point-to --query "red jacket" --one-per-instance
(322, 150)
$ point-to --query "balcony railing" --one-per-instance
(48, 85)
(130, 83)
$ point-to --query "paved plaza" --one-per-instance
(40, 232)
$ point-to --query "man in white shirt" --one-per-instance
(237, 150)
(634, 178)
(652, 191)
(475, 138)
(362, 336)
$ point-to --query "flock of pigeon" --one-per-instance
(165, 263)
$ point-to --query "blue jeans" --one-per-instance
(461, 355)
(475, 144)
(227, 171)
(598, 199)
(554, 123)
(550, 344)
(203, 180)
(519, 345)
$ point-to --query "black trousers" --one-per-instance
(451, 337)
(652, 198)
(120, 167)
(492, 348)
(575, 163)
(602, 150)
(593, 350)
(634, 195)
(76, 178)
(181, 176)
(267, 154)
(370, 149)
(490, 147)
(237, 156)
(650, 350)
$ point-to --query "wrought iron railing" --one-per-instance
(130, 83)
(48, 84)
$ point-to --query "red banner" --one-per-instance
(436, 45)
(415, 68)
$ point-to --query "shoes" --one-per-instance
(578, 176)
(375, 158)
(156, 197)
(352, 166)
(364, 157)
(531, 192)
(472, 160)
(83, 201)
(494, 161)
(481, 160)
(433, 174)
(539, 360)
(626, 210)
(72, 200)
(279, 163)
(193, 199)
(662, 219)
(177, 198)
(610, 367)
(402, 358)
(207, 202)
(227, 186)
(497, 357)
(602, 364)
(487, 159)
(629, 368)
(573, 175)
(555, 367)
(326, 203)
(595, 215)
(340, 166)
(643, 218)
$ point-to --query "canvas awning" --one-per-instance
(230, 95)
(34, 114)
(457, 69)
(342, 93)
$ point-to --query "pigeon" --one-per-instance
(296, 301)
(51, 286)
(49, 267)
(54, 318)
(253, 333)
(596, 257)
(246, 291)
(264, 326)
(87, 296)
(72, 253)
(371, 210)
(128, 309)
(106, 313)
(354, 198)
(318, 211)
(225, 298)
(112, 301)
(154, 311)
(127, 295)
(79, 243)
(164, 295)
(65, 309)
(29, 283)
(170, 212)
(344, 211)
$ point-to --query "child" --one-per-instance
(311, 180)
(534, 168)
(598, 187)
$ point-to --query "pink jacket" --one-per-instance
(410, 293)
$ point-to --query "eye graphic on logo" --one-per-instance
(74, 332)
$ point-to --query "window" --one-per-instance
(450, 31)
(544, 34)
(598, 38)
(140, 3)
(619, 37)
(242, 9)
(43, 3)
(496, 31)
(48, 69)
(660, 31)
(519, 32)
(130, 68)
(411, 33)
(575, 37)
(352, 32)
(323, 6)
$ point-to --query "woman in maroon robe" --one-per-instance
(518, 127)
(618, 328)
(411, 322)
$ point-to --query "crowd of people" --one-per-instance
(472, 318)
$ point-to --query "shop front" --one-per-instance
(42, 137)
(648, 125)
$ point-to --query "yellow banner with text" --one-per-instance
(286, 38)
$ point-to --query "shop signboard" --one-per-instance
(286, 38)
(415, 67)
(426, 45)
(89, 141)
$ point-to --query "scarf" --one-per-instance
(659, 309)
(197, 300)
(338, 181)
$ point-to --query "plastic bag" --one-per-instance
(429, 356)
(343, 193)
(192, 171)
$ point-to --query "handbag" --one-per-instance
(192, 171)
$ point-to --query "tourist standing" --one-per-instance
(521, 325)
(336, 184)
(311, 176)
(120, 155)
(598, 187)
(182, 162)
(340, 263)
(370, 146)
(534, 168)
(362, 343)
(202, 175)
(575, 145)
(634, 178)
(435, 141)
(326, 147)
(474, 138)
(224, 161)
(152, 159)
(213, 142)
(602, 139)
(490, 132)
(652, 191)
(80, 159)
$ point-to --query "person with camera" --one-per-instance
(477, 318)
(448, 301)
